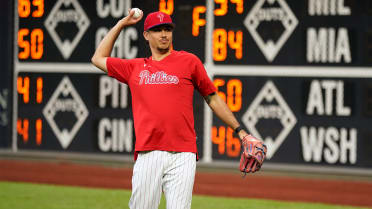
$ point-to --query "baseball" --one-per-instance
(137, 13)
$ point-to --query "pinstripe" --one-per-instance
(185, 184)
(180, 197)
(146, 181)
(179, 181)
(157, 171)
(158, 180)
(145, 191)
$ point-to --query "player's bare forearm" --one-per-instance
(220, 108)
(105, 47)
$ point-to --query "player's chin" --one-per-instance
(164, 47)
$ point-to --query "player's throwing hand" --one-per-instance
(134, 16)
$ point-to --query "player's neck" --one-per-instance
(159, 55)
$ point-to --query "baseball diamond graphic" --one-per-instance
(63, 13)
(260, 14)
(65, 99)
(269, 104)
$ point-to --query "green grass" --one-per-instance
(41, 196)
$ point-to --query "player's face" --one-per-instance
(160, 38)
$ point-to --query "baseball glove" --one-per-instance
(253, 155)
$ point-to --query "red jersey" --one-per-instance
(162, 98)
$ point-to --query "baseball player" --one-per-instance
(162, 87)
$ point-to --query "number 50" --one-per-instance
(35, 46)
(233, 95)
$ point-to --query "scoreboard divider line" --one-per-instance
(207, 143)
(15, 74)
(57, 68)
(252, 70)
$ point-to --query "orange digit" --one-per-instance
(219, 44)
(23, 44)
(22, 129)
(219, 138)
(223, 7)
(24, 8)
(166, 6)
(217, 83)
(39, 90)
(39, 129)
(236, 43)
(40, 8)
(234, 95)
(37, 46)
(23, 87)
(232, 144)
(196, 21)
(239, 5)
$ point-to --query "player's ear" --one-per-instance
(146, 35)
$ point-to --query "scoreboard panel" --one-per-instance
(77, 112)
(68, 31)
(295, 73)
(56, 108)
(324, 118)
(289, 32)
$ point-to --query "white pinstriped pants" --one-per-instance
(160, 171)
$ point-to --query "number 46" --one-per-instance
(226, 141)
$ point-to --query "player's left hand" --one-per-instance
(253, 155)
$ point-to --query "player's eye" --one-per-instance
(168, 28)
(157, 29)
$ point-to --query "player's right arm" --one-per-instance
(104, 49)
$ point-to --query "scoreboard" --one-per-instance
(297, 74)
(63, 103)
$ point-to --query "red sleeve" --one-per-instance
(201, 80)
(120, 69)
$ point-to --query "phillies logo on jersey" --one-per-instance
(161, 17)
(159, 77)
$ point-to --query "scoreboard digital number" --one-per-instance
(34, 97)
(30, 40)
(228, 144)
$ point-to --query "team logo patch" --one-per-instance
(161, 17)
(159, 77)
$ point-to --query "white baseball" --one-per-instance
(137, 13)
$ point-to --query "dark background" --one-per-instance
(6, 54)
